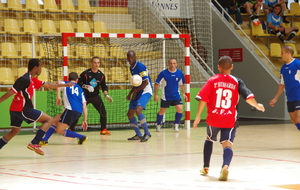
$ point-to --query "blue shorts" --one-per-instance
(293, 106)
(167, 104)
(17, 117)
(69, 117)
(227, 134)
(142, 101)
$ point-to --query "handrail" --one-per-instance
(248, 38)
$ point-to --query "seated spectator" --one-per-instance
(274, 23)
(270, 4)
(230, 8)
(246, 6)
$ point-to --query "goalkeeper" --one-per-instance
(91, 80)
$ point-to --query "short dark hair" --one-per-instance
(33, 63)
(95, 57)
(225, 62)
(73, 76)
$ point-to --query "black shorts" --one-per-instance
(69, 117)
(226, 133)
(167, 104)
(293, 106)
(30, 116)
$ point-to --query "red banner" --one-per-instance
(236, 54)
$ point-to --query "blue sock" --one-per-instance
(135, 127)
(143, 123)
(3, 142)
(72, 134)
(178, 117)
(227, 156)
(38, 137)
(159, 119)
(48, 134)
(207, 151)
(298, 126)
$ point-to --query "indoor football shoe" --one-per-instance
(224, 173)
(145, 138)
(158, 128)
(43, 143)
(105, 132)
(135, 138)
(204, 170)
(82, 140)
(35, 148)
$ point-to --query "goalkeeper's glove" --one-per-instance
(108, 98)
(88, 87)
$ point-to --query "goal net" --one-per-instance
(73, 52)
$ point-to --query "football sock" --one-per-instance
(134, 125)
(227, 156)
(178, 116)
(292, 34)
(143, 123)
(3, 142)
(298, 126)
(38, 137)
(48, 134)
(159, 119)
(69, 133)
(207, 151)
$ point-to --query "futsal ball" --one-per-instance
(136, 80)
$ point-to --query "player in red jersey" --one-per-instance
(21, 108)
(220, 95)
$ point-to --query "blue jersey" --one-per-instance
(170, 82)
(270, 3)
(274, 20)
(140, 69)
(73, 97)
(290, 77)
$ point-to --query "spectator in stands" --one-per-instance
(269, 7)
(274, 23)
(230, 8)
(246, 6)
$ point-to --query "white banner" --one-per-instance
(171, 8)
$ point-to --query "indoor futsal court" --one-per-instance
(266, 157)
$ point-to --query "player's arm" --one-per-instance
(156, 86)
(201, 106)
(54, 85)
(252, 102)
(85, 116)
(58, 94)
(7, 95)
(278, 93)
(182, 88)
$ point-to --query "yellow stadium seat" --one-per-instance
(258, 31)
(48, 27)
(26, 50)
(117, 52)
(84, 6)
(67, 6)
(294, 9)
(44, 75)
(83, 51)
(6, 76)
(15, 5)
(83, 27)
(30, 27)
(294, 48)
(118, 75)
(66, 26)
(100, 51)
(51, 6)
(79, 70)
(33, 5)
(11, 26)
(9, 50)
(22, 71)
(100, 27)
(275, 50)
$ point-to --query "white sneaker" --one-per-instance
(158, 128)
(289, 41)
(176, 127)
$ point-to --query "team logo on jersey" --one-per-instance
(93, 82)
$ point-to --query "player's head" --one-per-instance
(173, 64)
(95, 63)
(225, 63)
(35, 65)
(286, 53)
(73, 76)
(277, 9)
(131, 58)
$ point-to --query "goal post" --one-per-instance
(184, 37)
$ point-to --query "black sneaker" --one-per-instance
(145, 138)
(135, 137)
(82, 140)
(285, 21)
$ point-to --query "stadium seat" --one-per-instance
(50, 6)
(79, 70)
(15, 5)
(117, 52)
(26, 50)
(83, 51)
(295, 9)
(296, 54)
(118, 75)
(9, 50)
(11, 26)
(84, 6)
(6, 76)
(275, 50)
(258, 31)
(44, 75)
(100, 51)
(100, 27)
(48, 27)
(67, 6)
(22, 71)
(83, 27)
(33, 5)
(66, 26)
(30, 27)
